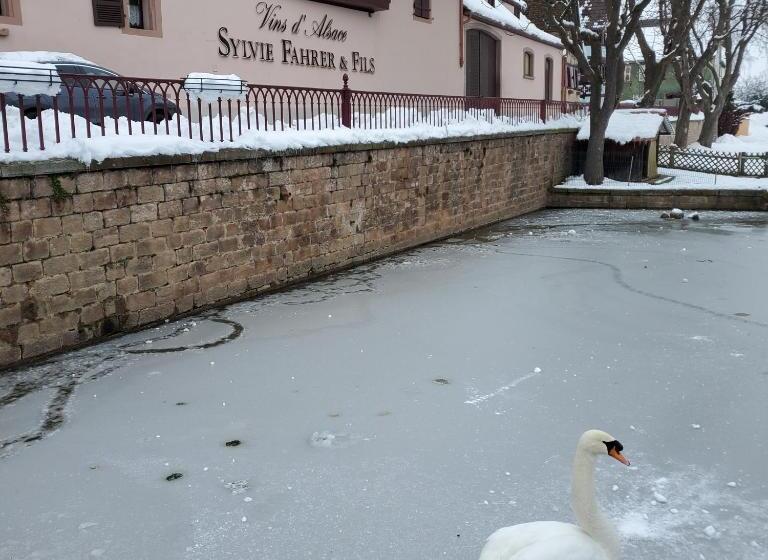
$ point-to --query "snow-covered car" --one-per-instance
(90, 91)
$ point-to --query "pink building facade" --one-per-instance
(451, 47)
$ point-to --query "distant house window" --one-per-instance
(528, 64)
(422, 8)
(143, 17)
(627, 74)
(572, 76)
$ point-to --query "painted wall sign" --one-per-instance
(290, 51)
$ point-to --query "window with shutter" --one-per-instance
(108, 13)
(422, 8)
(548, 76)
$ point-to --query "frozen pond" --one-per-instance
(408, 408)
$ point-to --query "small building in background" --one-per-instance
(631, 144)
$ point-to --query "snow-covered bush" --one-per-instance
(752, 92)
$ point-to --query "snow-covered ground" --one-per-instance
(682, 179)
(408, 408)
(756, 142)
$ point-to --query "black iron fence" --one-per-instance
(100, 106)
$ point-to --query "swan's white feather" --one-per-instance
(542, 540)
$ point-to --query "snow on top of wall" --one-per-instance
(501, 14)
(628, 125)
(211, 87)
(43, 56)
(99, 148)
(29, 78)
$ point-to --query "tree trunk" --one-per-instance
(711, 118)
(594, 173)
(654, 76)
(682, 125)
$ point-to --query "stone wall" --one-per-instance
(88, 252)
(659, 198)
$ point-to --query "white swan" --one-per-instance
(592, 539)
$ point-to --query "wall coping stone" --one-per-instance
(68, 166)
(662, 192)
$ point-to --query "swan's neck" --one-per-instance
(588, 515)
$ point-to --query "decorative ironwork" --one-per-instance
(107, 105)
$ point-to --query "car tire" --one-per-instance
(159, 115)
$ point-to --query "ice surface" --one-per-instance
(413, 478)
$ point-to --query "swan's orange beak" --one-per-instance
(618, 456)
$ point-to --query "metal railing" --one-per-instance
(102, 106)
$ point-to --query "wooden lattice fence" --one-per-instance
(710, 161)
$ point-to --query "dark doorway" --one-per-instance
(482, 74)
(548, 79)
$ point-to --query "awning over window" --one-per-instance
(364, 5)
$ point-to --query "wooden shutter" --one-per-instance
(472, 70)
(422, 8)
(108, 13)
(488, 82)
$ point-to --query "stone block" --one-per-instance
(35, 208)
(14, 294)
(104, 200)
(26, 272)
(89, 182)
(86, 278)
(60, 265)
(12, 254)
(152, 280)
(15, 189)
(36, 249)
(143, 212)
(51, 285)
(151, 193)
(139, 301)
(46, 227)
(118, 217)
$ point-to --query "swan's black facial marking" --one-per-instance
(615, 444)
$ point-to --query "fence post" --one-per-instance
(765, 165)
(741, 164)
(543, 110)
(346, 103)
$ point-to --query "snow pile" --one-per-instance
(104, 143)
(43, 56)
(501, 14)
(212, 87)
(29, 78)
(627, 125)
(756, 142)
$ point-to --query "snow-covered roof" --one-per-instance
(43, 57)
(629, 125)
(502, 15)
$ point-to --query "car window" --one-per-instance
(70, 69)
(97, 71)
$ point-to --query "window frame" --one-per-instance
(526, 54)
(11, 14)
(421, 12)
(152, 16)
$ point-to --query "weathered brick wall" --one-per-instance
(89, 252)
